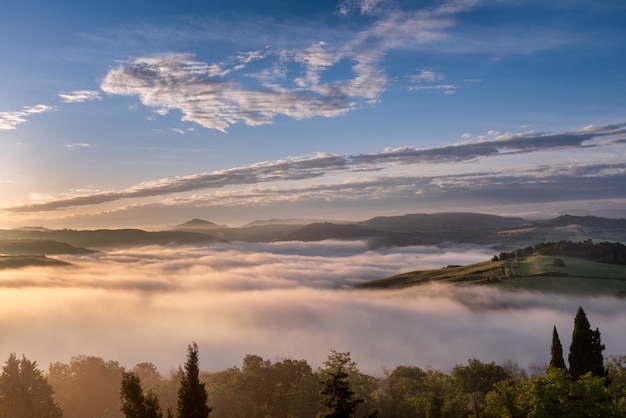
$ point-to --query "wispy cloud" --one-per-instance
(77, 145)
(79, 96)
(320, 165)
(10, 120)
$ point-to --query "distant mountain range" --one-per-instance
(413, 229)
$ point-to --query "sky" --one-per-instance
(150, 113)
(283, 300)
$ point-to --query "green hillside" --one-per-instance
(533, 272)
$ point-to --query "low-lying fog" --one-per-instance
(281, 300)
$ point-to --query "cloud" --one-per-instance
(364, 7)
(325, 165)
(10, 120)
(177, 81)
(79, 96)
(294, 81)
(77, 145)
(282, 300)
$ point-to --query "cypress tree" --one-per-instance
(585, 353)
(192, 395)
(556, 352)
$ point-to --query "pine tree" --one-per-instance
(192, 396)
(337, 396)
(25, 392)
(556, 352)
(585, 354)
(134, 403)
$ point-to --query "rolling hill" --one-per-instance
(552, 267)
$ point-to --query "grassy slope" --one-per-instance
(578, 276)
(534, 273)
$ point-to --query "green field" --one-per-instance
(534, 272)
(578, 276)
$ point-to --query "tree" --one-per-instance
(556, 351)
(25, 392)
(399, 387)
(337, 396)
(476, 379)
(585, 353)
(557, 395)
(87, 387)
(438, 396)
(509, 398)
(192, 396)
(134, 403)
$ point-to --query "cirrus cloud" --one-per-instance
(10, 120)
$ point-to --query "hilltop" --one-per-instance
(565, 267)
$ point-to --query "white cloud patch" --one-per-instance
(281, 300)
(10, 120)
(295, 82)
(79, 96)
(178, 81)
(427, 80)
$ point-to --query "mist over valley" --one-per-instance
(292, 298)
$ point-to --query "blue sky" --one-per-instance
(145, 113)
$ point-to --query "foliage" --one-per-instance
(134, 403)
(603, 252)
(338, 398)
(87, 387)
(558, 395)
(398, 389)
(586, 349)
(25, 392)
(192, 396)
(509, 399)
(616, 366)
(476, 379)
(556, 351)
(440, 397)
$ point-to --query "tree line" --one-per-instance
(602, 252)
(92, 387)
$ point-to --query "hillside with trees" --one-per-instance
(591, 386)
(582, 267)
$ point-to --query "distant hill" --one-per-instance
(291, 221)
(101, 238)
(323, 231)
(39, 246)
(442, 222)
(20, 261)
(586, 221)
(198, 223)
(505, 233)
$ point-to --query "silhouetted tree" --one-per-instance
(25, 392)
(556, 351)
(192, 397)
(134, 403)
(337, 396)
(585, 354)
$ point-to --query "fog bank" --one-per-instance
(281, 300)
